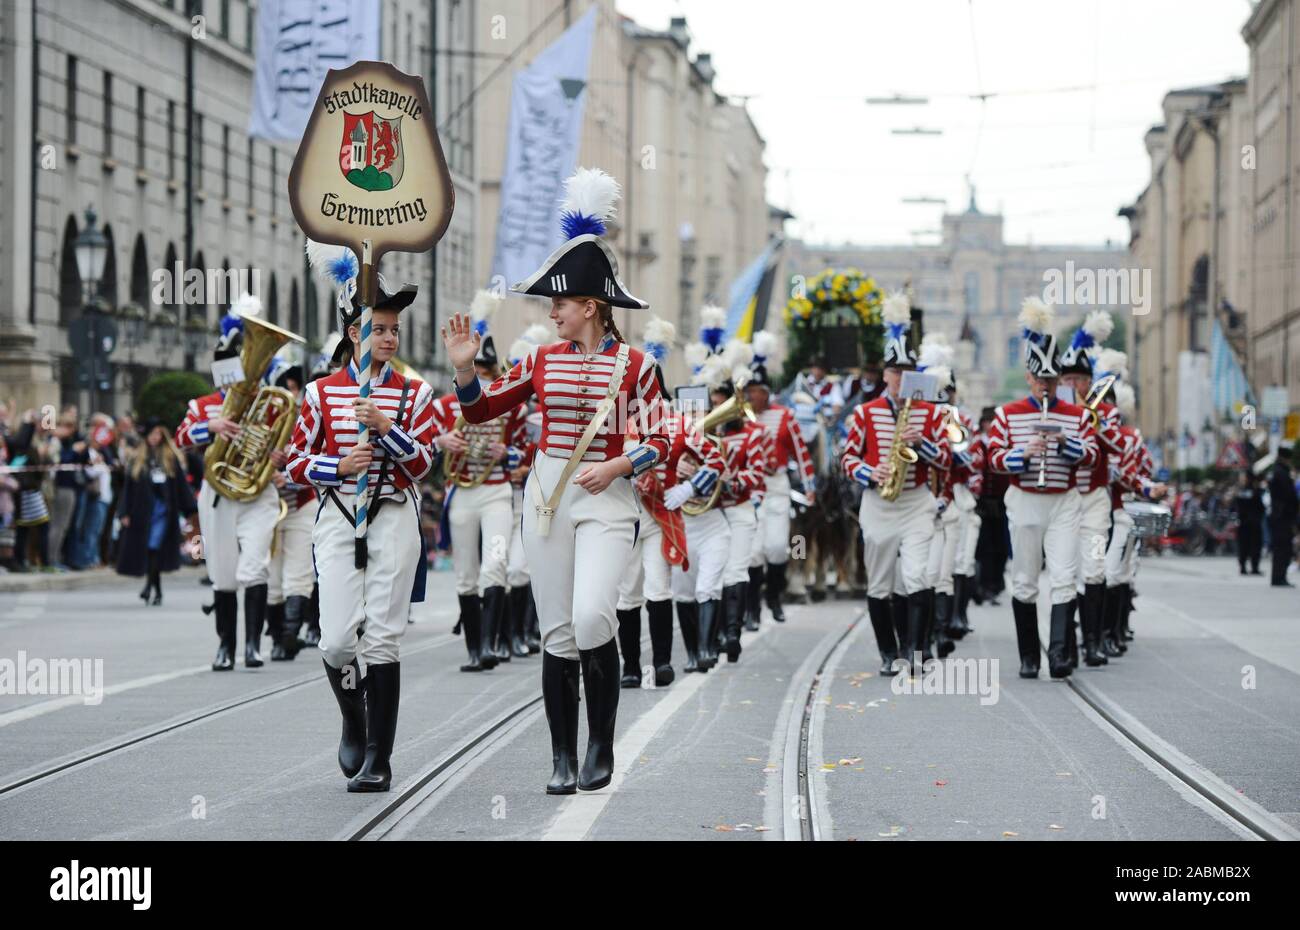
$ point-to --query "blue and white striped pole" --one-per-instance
(366, 282)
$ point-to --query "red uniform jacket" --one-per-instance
(1014, 424)
(871, 434)
(785, 443)
(509, 428)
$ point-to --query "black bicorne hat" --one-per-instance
(897, 317)
(487, 352)
(585, 265)
(397, 300)
(760, 377)
(1042, 357)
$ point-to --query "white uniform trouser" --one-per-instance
(1122, 554)
(291, 572)
(896, 538)
(1043, 525)
(708, 546)
(742, 519)
(480, 537)
(943, 551)
(776, 519)
(648, 576)
(516, 564)
(237, 537)
(968, 537)
(576, 568)
(1094, 527)
(756, 543)
(374, 601)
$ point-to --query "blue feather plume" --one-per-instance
(577, 224)
(342, 267)
(230, 322)
(657, 350)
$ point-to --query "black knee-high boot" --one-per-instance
(312, 636)
(733, 610)
(774, 587)
(1072, 630)
(560, 697)
(898, 614)
(1091, 606)
(296, 607)
(920, 608)
(495, 623)
(708, 617)
(1026, 616)
(753, 602)
(600, 681)
(629, 643)
(274, 627)
(348, 691)
(880, 611)
(660, 615)
(961, 589)
(254, 616)
(1111, 646)
(383, 685)
(1058, 654)
(226, 607)
(942, 614)
(517, 608)
(471, 624)
(487, 655)
(688, 619)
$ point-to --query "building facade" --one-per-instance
(102, 88)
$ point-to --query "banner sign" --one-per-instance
(546, 107)
(298, 41)
(370, 165)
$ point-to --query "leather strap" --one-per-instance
(546, 508)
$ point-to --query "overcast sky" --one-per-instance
(1057, 164)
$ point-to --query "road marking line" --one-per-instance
(45, 707)
(820, 815)
(578, 813)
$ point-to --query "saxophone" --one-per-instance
(900, 456)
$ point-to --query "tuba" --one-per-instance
(729, 410)
(239, 469)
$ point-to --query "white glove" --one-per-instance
(678, 494)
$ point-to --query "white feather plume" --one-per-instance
(712, 317)
(942, 375)
(1113, 361)
(765, 343)
(1126, 400)
(741, 375)
(1036, 316)
(695, 354)
(936, 352)
(738, 353)
(519, 348)
(659, 330)
(897, 308)
(591, 192)
(484, 304)
(713, 372)
(1099, 325)
(246, 305)
(321, 256)
(537, 334)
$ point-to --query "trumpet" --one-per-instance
(1095, 394)
(958, 435)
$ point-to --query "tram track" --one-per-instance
(207, 712)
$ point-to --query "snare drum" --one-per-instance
(1148, 519)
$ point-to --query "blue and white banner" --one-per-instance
(750, 294)
(1230, 385)
(298, 41)
(546, 108)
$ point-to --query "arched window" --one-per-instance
(273, 303)
(295, 317)
(312, 306)
(140, 283)
(174, 275)
(199, 310)
(69, 278)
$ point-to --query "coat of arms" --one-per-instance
(370, 155)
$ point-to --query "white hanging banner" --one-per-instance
(546, 109)
(298, 42)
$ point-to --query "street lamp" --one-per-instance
(91, 248)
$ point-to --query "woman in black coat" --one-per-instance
(154, 495)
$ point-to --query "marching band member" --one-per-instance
(1130, 475)
(693, 469)
(936, 358)
(478, 458)
(581, 526)
(896, 533)
(764, 344)
(236, 534)
(786, 444)
(826, 394)
(364, 610)
(1092, 482)
(991, 548)
(292, 572)
(1042, 508)
(745, 449)
(660, 546)
(964, 488)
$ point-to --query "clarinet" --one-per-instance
(1042, 459)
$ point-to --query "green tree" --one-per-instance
(166, 395)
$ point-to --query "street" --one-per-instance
(1190, 736)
